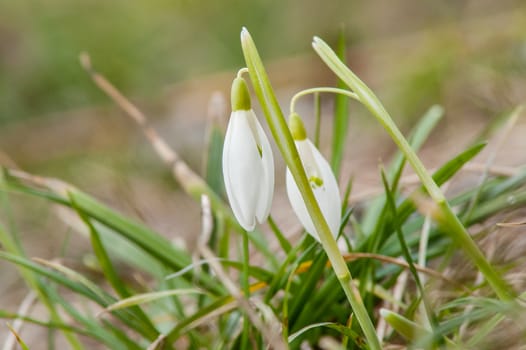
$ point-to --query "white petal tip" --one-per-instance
(249, 228)
(262, 219)
(244, 33)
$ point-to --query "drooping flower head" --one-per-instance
(248, 165)
(321, 178)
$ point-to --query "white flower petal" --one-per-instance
(327, 195)
(267, 175)
(298, 205)
(242, 169)
(331, 208)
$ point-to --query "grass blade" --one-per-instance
(341, 115)
(142, 298)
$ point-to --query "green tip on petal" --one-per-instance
(239, 95)
(316, 181)
(297, 129)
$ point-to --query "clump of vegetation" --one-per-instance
(386, 284)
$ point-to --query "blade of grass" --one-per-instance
(133, 319)
(34, 283)
(429, 314)
(443, 214)
(111, 275)
(279, 279)
(376, 215)
(442, 175)
(344, 330)
(19, 340)
(254, 271)
(406, 328)
(48, 324)
(510, 122)
(218, 307)
(75, 282)
(283, 241)
(417, 137)
(214, 144)
(142, 298)
(148, 240)
(303, 293)
(341, 114)
(97, 331)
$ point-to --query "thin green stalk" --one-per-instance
(316, 90)
(317, 118)
(445, 215)
(341, 114)
(283, 242)
(246, 289)
(280, 131)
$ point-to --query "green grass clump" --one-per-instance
(219, 296)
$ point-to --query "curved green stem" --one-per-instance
(321, 89)
(442, 212)
(280, 132)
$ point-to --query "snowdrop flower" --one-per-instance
(321, 179)
(248, 166)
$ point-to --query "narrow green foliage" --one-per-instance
(246, 289)
(214, 155)
(47, 324)
(283, 242)
(406, 252)
(510, 119)
(19, 340)
(13, 251)
(279, 279)
(217, 307)
(445, 215)
(308, 282)
(346, 331)
(406, 328)
(139, 299)
(102, 257)
(88, 322)
(341, 114)
(417, 137)
(443, 174)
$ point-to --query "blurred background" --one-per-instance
(170, 57)
(414, 53)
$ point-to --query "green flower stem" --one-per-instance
(246, 288)
(280, 132)
(443, 213)
(317, 118)
(318, 90)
